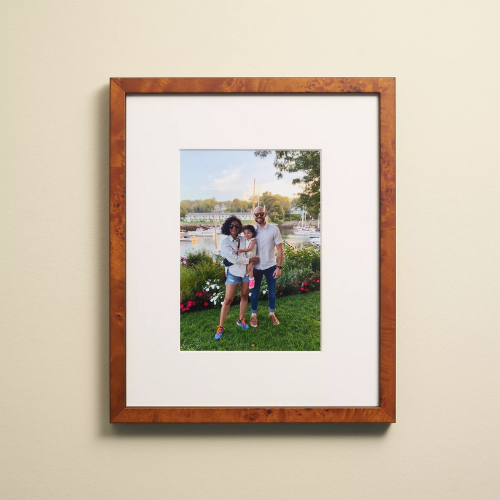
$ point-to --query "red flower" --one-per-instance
(317, 281)
(189, 303)
(305, 283)
(298, 281)
(301, 288)
(205, 304)
(193, 303)
(307, 289)
(182, 306)
(281, 294)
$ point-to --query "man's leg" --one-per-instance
(271, 285)
(254, 300)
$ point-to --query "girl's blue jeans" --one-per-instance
(271, 285)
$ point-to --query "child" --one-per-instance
(250, 250)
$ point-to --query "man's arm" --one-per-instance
(277, 271)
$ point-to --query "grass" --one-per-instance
(299, 328)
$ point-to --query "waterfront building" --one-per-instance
(219, 216)
(297, 211)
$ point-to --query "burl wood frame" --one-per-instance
(385, 88)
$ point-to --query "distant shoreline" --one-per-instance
(289, 224)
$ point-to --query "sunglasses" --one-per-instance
(259, 214)
(234, 226)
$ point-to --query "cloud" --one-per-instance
(228, 182)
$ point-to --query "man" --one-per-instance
(268, 240)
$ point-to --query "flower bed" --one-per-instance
(203, 278)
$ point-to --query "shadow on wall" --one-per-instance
(101, 106)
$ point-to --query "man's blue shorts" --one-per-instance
(231, 279)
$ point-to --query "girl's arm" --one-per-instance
(249, 249)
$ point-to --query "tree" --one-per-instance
(308, 164)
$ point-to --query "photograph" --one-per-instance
(250, 248)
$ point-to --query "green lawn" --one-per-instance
(299, 328)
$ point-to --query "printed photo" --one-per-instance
(250, 246)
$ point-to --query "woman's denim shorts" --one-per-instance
(231, 279)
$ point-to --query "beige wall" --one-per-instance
(56, 59)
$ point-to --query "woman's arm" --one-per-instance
(228, 252)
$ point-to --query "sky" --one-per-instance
(227, 175)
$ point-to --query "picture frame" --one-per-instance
(384, 90)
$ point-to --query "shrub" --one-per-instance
(194, 257)
(306, 257)
(193, 277)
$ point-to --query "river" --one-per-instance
(209, 242)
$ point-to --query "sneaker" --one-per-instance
(219, 333)
(243, 324)
(274, 319)
(251, 283)
(254, 321)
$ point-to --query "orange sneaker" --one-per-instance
(243, 324)
(219, 333)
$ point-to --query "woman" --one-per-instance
(236, 272)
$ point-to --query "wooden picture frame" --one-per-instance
(385, 89)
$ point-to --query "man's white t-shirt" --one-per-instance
(267, 239)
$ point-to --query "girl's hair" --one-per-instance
(251, 229)
(225, 227)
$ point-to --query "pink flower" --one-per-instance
(298, 281)
(182, 306)
(317, 281)
(305, 283)
(301, 288)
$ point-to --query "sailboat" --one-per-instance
(316, 234)
(304, 231)
(216, 231)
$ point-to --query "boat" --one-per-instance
(188, 238)
(303, 230)
(203, 232)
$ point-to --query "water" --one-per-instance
(208, 242)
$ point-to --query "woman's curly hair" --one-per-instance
(225, 227)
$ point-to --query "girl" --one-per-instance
(250, 250)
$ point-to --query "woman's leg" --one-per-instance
(244, 299)
(230, 291)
